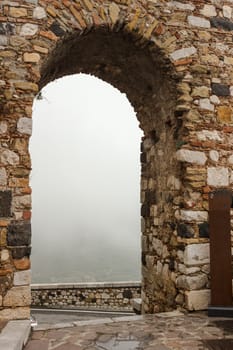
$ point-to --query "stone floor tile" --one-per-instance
(37, 345)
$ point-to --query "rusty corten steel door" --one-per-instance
(220, 202)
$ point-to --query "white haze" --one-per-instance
(85, 178)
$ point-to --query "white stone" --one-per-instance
(3, 177)
(214, 155)
(205, 135)
(22, 278)
(230, 160)
(22, 201)
(9, 157)
(193, 215)
(197, 254)
(231, 177)
(3, 127)
(195, 157)
(198, 22)
(231, 90)
(209, 11)
(39, 13)
(182, 53)
(217, 177)
(29, 29)
(204, 103)
(181, 6)
(4, 255)
(227, 11)
(214, 99)
(24, 125)
(197, 300)
(198, 281)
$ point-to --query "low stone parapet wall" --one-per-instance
(107, 296)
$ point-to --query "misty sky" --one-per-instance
(85, 151)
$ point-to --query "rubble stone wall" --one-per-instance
(99, 296)
(174, 61)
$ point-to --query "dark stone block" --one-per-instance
(143, 157)
(127, 294)
(145, 210)
(7, 29)
(220, 89)
(150, 197)
(204, 230)
(5, 203)
(19, 234)
(143, 259)
(185, 231)
(219, 22)
(57, 29)
(21, 252)
(172, 264)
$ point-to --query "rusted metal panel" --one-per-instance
(220, 202)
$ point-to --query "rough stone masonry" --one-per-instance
(174, 61)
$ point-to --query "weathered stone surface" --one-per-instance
(9, 157)
(22, 278)
(183, 53)
(204, 230)
(193, 215)
(39, 13)
(222, 23)
(196, 254)
(197, 300)
(24, 126)
(206, 104)
(29, 29)
(22, 264)
(185, 231)
(181, 6)
(18, 12)
(3, 177)
(214, 156)
(220, 89)
(209, 11)
(5, 203)
(198, 22)
(195, 157)
(31, 57)
(17, 296)
(196, 282)
(205, 135)
(18, 313)
(217, 176)
(224, 114)
(19, 253)
(19, 234)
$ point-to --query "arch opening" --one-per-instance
(85, 180)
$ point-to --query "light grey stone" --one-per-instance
(20, 330)
(3, 127)
(29, 29)
(197, 254)
(217, 176)
(192, 282)
(182, 53)
(214, 156)
(205, 135)
(227, 11)
(205, 103)
(214, 99)
(22, 278)
(9, 157)
(197, 299)
(198, 22)
(39, 13)
(209, 11)
(24, 125)
(3, 40)
(181, 6)
(3, 177)
(194, 157)
(193, 215)
(20, 202)
(17, 296)
(230, 160)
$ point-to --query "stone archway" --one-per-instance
(160, 56)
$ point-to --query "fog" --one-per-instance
(85, 178)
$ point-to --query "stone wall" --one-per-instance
(99, 296)
(173, 59)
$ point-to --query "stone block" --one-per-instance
(19, 234)
(31, 57)
(198, 22)
(209, 11)
(17, 12)
(206, 104)
(205, 135)
(17, 296)
(19, 253)
(194, 157)
(217, 176)
(193, 215)
(18, 313)
(223, 23)
(197, 254)
(39, 13)
(24, 126)
(196, 282)
(220, 89)
(22, 278)
(224, 114)
(3, 177)
(28, 29)
(197, 300)
(183, 53)
(5, 203)
(9, 157)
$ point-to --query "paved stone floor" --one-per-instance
(170, 331)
